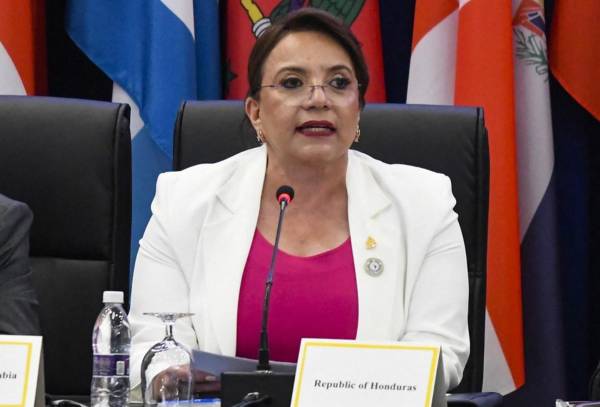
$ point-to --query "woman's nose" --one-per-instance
(318, 96)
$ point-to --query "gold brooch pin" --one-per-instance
(371, 243)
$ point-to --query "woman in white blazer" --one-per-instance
(409, 282)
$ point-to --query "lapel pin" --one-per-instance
(371, 243)
(373, 266)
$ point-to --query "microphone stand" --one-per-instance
(263, 352)
(264, 385)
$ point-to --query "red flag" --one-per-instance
(22, 50)
(246, 19)
(575, 51)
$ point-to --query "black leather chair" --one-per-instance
(70, 161)
(450, 140)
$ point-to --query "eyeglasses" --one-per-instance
(339, 90)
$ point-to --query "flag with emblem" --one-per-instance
(22, 53)
(538, 206)
(247, 19)
(149, 50)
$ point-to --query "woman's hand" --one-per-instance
(205, 383)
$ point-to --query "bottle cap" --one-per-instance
(112, 296)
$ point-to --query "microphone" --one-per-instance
(284, 196)
(263, 385)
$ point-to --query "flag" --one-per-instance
(247, 19)
(463, 55)
(148, 48)
(538, 206)
(574, 57)
(22, 50)
(208, 50)
(575, 51)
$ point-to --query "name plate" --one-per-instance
(21, 371)
(353, 373)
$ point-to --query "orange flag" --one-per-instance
(487, 79)
(247, 19)
(463, 55)
(22, 50)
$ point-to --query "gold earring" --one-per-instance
(259, 136)
(357, 136)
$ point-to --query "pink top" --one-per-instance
(312, 297)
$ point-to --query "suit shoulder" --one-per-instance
(15, 219)
(405, 177)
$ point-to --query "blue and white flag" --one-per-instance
(148, 48)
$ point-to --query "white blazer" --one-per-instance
(194, 250)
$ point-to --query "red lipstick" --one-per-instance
(316, 128)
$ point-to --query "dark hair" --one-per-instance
(303, 20)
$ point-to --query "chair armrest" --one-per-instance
(475, 400)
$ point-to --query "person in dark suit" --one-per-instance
(18, 300)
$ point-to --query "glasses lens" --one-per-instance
(336, 95)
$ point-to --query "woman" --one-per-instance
(368, 250)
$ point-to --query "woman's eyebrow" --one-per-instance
(291, 68)
(340, 67)
(302, 71)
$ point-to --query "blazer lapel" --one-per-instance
(376, 236)
(225, 244)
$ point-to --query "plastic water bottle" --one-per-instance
(110, 343)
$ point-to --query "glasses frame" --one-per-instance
(323, 87)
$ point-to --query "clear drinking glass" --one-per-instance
(166, 367)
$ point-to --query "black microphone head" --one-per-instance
(285, 193)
